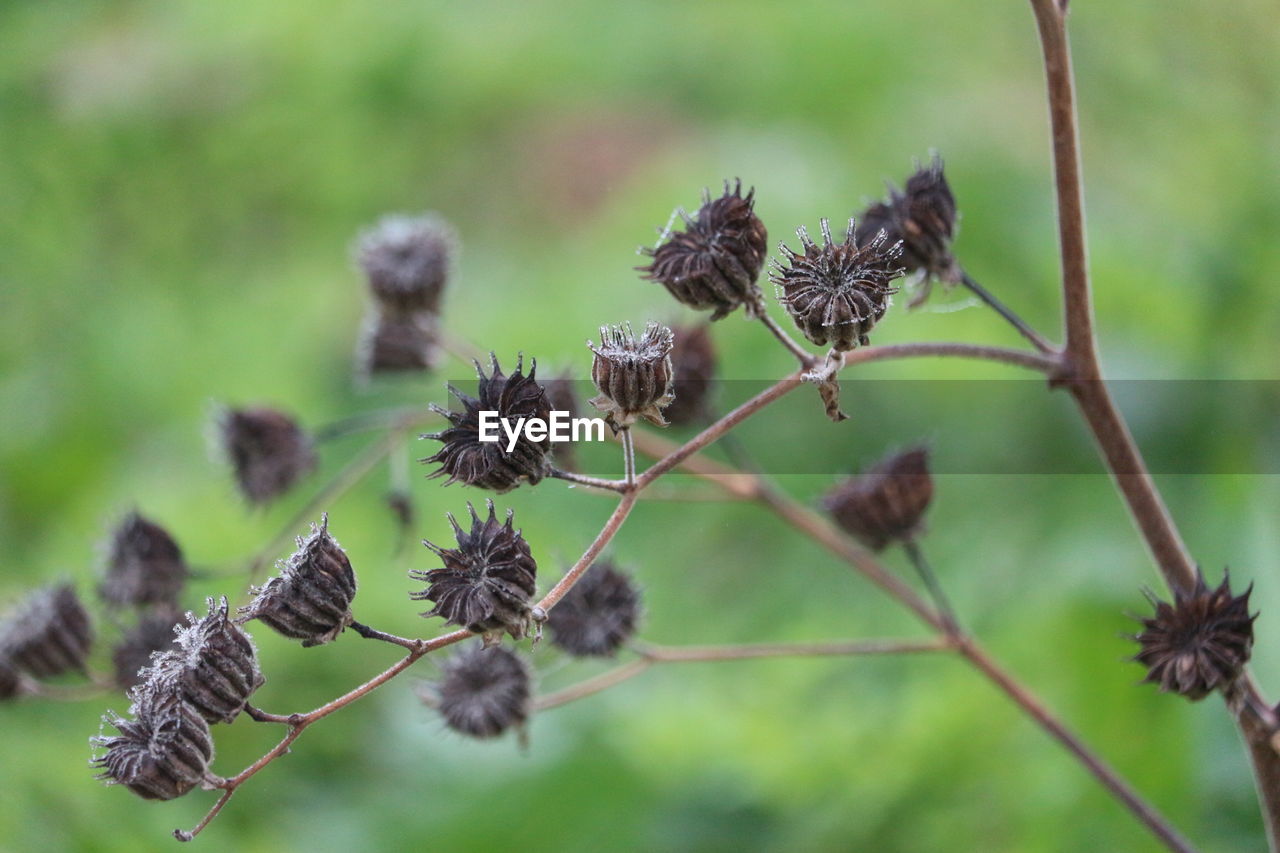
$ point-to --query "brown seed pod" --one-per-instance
(598, 615)
(923, 218)
(145, 565)
(633, 375)
(154, 633)
(310, 600)
(466, 459)
(487, 582)
(484, 691)
(714, 263)
(407, 260)
(1200, 643)
(837, 292)
(161, 754)
(396, 343)
(214, 669)
(48, 634)
(693, 363)
(887, 503)
(267, 449)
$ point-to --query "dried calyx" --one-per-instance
(145, 566)
(886, 504)
(714, 263)
(395, 343)
(310, 600)
(484, 691)
(598, 615)
(268, 451)
(407, 260)
(153, 633)
(633, 375)
(693, 363)
(162, 753)
(466, 459)
(47, 634)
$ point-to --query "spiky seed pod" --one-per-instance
(145, 565)
(160, 755)
(633, 375)
(837, 292)
(215, 667)
(484, 691)
(487, 582)
(563, 397)
(10, 682)
(886, 504)
(598, 615)
(268, 451)
(693, 362)
(1199, 643)
(466, 459)
(154, 633)
(715, 261)
(406, 260)
(396, 343)
(48, 634)
(310, 600)
(923, 218)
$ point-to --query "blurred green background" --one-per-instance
(180, 183)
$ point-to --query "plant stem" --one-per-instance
(628, 458)
(585, 480)
(374, 634)
(930, 579)
(807, 359)
(610, 529)
(1007, 313)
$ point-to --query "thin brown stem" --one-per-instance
(1034, 337)
(591, 686)
(585, 480)
(374, 634)
(628, 459)
(610, 529)
(930, 579)
(807, 359)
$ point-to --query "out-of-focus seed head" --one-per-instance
(154, 633)
(487, 582)
(1200, 643)
(161, 754)
(693, 362)
(484, 691)
(633, 375)
(215, 667)
(407, 260)
(714, 263)
(49, 633)
(10, 681)
(923, 218)
(563, 397)
(268, 451)
(837, 292)
(310, 599)
(396, 343)
(466, 459)
(145, 565)
(598, 615)
(886, 504)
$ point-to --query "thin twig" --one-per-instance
(606, 534)
(916, 555)
(807, 359)
(1007, 313)
(374, 634)
(628, 458)
(586, 480)
(591, 686)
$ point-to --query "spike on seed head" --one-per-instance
(633, 375)
(267, 449)
(161, 754)
(145, 565)
(49, 633)
(153, 634)
(1199, 643)
(886, 504)
(406, 260)
(714, 263)
(598, 614)
(310, 599)
(484, 691)
(693, 363)
(837, 292)
(487, 582)
(464, 458)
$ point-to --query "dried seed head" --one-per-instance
(487, 465)
(487, 581)
(562, 397)
(48, 634)
(484, 691)
(693, 362)
(887, 503)
(1199, 643)
(153, 634)
(10, 682)
(714, 262)
(396, 343)
(633, 375)
(160, 755)
(268, 451)
(406, 260)
(923, 218)
(145, 565)
(214, 668)
(597, 615)
(310, 600)
(836, 292)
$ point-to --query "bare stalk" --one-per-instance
(628, 458)
(807, 359)
(585, 480)
(1007, 313)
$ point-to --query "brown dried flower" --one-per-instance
(1199, 643)
(268, 451)
(598, 614)
(887, 503)
(484, 691)
(633, 375)
(837, 292)
(48, 634)
(145, 565)
(396, 343)
(406, 260)
(923, 218)
(715, 261)
(160, 755)
(153, 634)
(693, 362)
(10, 681)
